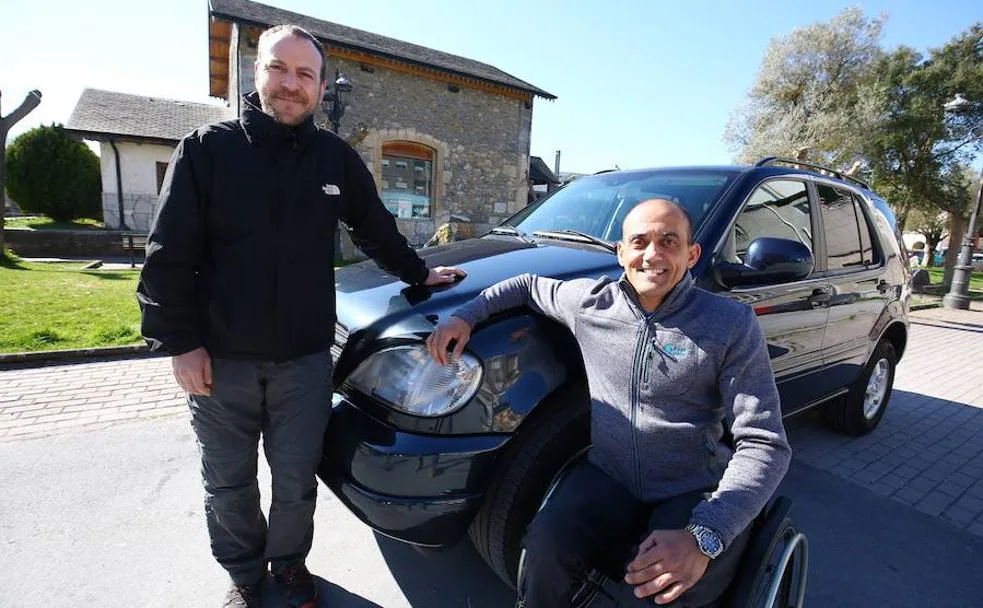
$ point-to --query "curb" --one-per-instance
(44, 357)
(925, 306)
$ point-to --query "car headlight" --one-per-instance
(409, 380)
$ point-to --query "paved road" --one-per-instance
(102, 504)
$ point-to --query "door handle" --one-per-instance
(819, 297)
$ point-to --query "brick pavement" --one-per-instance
(927, 452)
(56, 399)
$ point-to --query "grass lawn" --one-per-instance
(975, 279)
(59, 306)
(55, 306)
(936, 288)
(46, 223)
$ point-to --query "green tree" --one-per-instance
(50, 172)
(916, 153)
(807, 93)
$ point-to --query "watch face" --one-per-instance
(711, 545)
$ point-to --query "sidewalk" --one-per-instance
(57, 399)
(927, 452)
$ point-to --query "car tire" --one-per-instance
(860, 411)
(528, 466)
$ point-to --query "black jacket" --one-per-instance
(240, 255)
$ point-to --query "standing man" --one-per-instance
(667, 364)
(238, 287)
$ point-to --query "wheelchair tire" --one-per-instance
(861, 410)
(544, 442)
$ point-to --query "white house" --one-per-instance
(136, 136)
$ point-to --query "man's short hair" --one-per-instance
(295, 31)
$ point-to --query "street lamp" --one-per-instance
(958, 296)
(335, 99)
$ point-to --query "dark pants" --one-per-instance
(592, 521)
(288, 403)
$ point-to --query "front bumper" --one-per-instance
(420, 489)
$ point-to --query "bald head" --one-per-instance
(656, 206)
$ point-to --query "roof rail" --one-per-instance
(774, 160)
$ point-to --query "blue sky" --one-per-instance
(639, 83)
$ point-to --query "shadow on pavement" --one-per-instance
(329, 594)
(867, 550)
(455, 576)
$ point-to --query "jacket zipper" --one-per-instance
(639, 356)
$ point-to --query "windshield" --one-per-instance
(597, 205)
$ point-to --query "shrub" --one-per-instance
(50, 172)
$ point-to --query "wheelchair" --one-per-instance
(772, 573)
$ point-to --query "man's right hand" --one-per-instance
(193, 371)
(453, 328)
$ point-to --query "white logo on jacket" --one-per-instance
(331, 190)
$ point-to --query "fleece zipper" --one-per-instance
(639, 374)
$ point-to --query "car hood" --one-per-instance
(366, 294)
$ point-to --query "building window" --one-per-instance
(407, 179)
(161, 171)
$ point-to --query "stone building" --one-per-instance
(137, 136)
(446, 137)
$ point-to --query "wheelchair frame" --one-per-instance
(778, 547)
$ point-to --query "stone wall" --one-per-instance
(63, 243)
(480, 139)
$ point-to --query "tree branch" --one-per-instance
(30, 102)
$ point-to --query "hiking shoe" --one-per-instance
(244, 596)
(299, 584)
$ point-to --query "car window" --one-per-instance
(778, 208)
(840, 227)
(868, 253)
(597, 205)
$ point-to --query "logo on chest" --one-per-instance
(331, 190)
(677, 352)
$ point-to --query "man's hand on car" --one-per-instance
(193, 371)
(453, 328)
(444, 274)
(668, 563)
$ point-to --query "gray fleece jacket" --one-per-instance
(661, 386)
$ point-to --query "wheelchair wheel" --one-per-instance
(774, 565)
(783, 574)
(592, 586)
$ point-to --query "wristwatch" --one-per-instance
(708, 540)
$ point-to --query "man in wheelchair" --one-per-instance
(662, 494)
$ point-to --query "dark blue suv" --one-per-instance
(427, 454)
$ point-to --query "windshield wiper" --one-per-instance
(506, 229)
(575, 235)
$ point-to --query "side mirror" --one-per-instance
(768, 260)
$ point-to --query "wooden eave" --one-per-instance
(219, 42)
(104, 136)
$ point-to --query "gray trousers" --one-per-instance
(288, 404)
(593, 521)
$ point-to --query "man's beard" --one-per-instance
(266, 104)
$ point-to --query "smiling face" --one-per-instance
(288, 77)
(655, 250)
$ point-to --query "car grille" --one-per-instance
(340, 340)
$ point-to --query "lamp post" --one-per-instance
(335, 99)
(958, 296)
